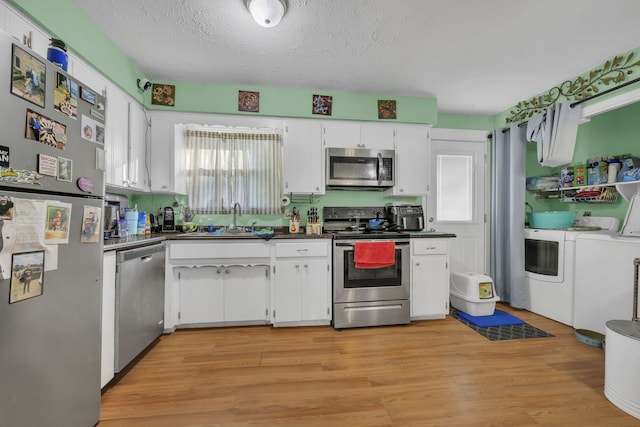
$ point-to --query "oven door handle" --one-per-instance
(351, 245)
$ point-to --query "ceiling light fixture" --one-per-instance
(267, 13)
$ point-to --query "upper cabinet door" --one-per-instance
(138, 137)
(412, 161)
(27, 34)
(377, 136)
(117, 138)
(303, 157)
(341, 134)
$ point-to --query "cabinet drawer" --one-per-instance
(219, 250)
(430, 246)
(298, 249)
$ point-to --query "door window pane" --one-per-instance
(455, 187)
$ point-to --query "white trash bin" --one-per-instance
(473, 294)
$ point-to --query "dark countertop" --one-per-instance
(430, 234)
(245, 236)
(133, 242)
(137, 241)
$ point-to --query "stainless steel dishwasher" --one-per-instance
(139, 301)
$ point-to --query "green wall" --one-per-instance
(283, 102)
(151, 204)
(612, 133)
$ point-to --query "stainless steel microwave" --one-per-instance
(359, 167)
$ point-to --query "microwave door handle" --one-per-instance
(380, 169)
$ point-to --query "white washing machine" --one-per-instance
(550, 265)
(605, 274)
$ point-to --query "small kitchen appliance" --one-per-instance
(405, 217)
(168, 219)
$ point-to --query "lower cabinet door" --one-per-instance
(302, 291)
(201, 295)
(430, 288)
(246, 290)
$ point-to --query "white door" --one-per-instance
(458, 197)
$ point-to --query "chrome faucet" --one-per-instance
(236, 212)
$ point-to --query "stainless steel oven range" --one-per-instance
(367, 296)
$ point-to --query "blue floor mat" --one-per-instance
(498, 318)
(504, 332)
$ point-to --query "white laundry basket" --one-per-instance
(473, 294)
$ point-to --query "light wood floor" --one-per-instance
(429, 373)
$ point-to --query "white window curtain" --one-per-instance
(228, 166)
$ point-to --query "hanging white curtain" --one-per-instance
(228, 167)
(508, 199)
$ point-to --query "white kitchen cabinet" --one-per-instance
(107, 361)
(222, 281)
(303, 157)
(412, 160)
(377, 136)
(27, 34)
(302, 285)
(429, 278)
(343, 134)
(125, 142)
(246, 293)
(116, 137)
(138, 164)
(166, 158)
(201, 295)
(87, 75)
(215, 294)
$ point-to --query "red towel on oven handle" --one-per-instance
(374, 254)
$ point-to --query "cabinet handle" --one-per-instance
(218, 271)
(418, 263)
(302, 251)
(297, 265)
(227, 271)
(306, 266)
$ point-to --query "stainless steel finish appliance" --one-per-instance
(405, 217)
(168, 219)
(50, 334)
(363, 296)
(357, 167)
(139, 301)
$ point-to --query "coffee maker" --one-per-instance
(168, 219)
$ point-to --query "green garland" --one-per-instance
(612, 73)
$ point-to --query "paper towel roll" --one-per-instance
(285, 201)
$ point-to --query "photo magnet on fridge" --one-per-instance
(4, 156)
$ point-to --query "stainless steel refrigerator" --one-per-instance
(50, 290)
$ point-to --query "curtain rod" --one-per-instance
(604, 92)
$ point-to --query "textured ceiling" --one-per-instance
(474, 56)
